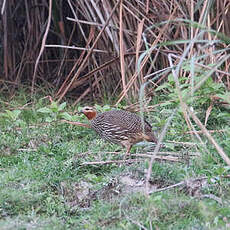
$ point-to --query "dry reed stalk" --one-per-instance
(65, 83)
(89, 53)
(86, 92)
(22, 38)
(42, 45)
(143, 62)
(85, 78)
(121, 41)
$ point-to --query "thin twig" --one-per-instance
(211, 196)
(168, 187)
(111, 162)
(148, 175)
(98, 24)
(75, 48)
(42, 45)
(184, 182)
(3, 7)
(183, 143)
(168, 156)
(136, 223)
(210, 131)
(76, 123)
(208, 135)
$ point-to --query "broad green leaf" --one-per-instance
(54, 106)
(66, 116)
(13, 114)
(166, 103)
(163, 86)
(62, 106)
(49, 119)
(44, 110)
(76, 117)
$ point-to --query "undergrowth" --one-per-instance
(45, 184)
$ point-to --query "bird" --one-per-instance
(119, 127)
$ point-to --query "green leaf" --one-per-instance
(62, 106)
(13, 115)
(157, 198)
(225, 97)
(220, 170)
(20, 123)
(163, 86)
(170, 78)
(98, 107)
(44, 110)
(106, 108)
(16, 113)
(66, 116)
(76, 117)
(54, 106)
(79, 108)
(49, 119)
(170, 146)
(166, 103)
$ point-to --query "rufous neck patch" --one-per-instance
(91, 115)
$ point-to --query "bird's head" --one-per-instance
(89, 112)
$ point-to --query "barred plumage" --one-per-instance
(120, 127)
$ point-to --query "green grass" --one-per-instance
(43, 184)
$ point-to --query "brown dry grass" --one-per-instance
(95, 48)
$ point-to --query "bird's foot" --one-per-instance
(127, 156)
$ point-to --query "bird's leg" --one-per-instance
(127, 154)
(128, 146)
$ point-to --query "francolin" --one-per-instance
(120, 127)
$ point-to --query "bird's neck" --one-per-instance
(91, 115)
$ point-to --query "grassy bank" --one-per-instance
(48, 181)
